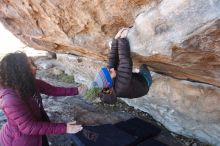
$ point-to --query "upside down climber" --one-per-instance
(117, 79)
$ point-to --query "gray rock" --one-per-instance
(159, 27)
(184, 107)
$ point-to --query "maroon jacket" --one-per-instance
(26, 124)
(126, 84)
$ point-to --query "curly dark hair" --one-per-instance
(15, 73)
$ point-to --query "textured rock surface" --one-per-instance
(86, 27)
(188, 108)
(183, 107)
(193, 26)
(176, 38)
(81, 27)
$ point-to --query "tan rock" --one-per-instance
(177, 38)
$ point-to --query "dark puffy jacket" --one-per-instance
(26, 124)
(126, 84)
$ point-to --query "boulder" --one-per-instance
(178, 39)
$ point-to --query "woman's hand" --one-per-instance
(82, 89)
(122, 33)
(73, 128)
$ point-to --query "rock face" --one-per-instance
(184, 107)
(180, 39)
(81, 27)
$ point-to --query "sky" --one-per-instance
(9, 43)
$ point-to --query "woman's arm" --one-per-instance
(48, 89)
(17, 111)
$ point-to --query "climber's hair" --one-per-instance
(15, 73)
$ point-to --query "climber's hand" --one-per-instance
(121, 31)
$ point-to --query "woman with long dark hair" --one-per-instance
(27, 122)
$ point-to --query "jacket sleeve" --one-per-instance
(113, 55)
(17, 111)
(50, 90)
(124, 71)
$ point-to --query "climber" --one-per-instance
(118, 80)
